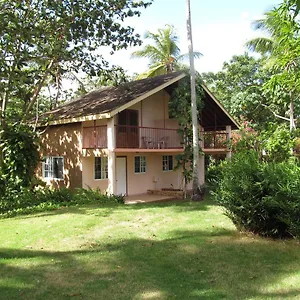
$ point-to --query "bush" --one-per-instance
(213, 172)
(27, 201)
(261, 197)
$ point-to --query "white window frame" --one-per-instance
(165, 162)
(142, 164)
(103, 167)
(48, 161)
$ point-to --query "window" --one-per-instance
(139, 164)
(101, 168)
(167, 162)
(53, 167)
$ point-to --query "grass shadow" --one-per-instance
(191, 264)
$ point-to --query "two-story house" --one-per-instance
(122, 139)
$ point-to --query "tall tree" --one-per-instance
(283, 51)
(42, 39)
(195, 121)
(240, 88)
(163, 52)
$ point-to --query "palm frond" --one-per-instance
(261, 45)
(196, 54)
(153, 71)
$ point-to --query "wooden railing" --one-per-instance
(137, 137)
(214, 140)
(94, 137)
(147, 137)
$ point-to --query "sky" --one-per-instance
(220, 29)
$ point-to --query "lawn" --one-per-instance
(172, 250)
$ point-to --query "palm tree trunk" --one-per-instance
(292, 120)
(193, 103)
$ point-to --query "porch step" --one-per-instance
(170, 193)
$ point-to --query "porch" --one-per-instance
(146, 198)
(130, 138)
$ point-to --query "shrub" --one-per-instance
(261, 197)
(27, 201)
(213, 172)
(20, 157)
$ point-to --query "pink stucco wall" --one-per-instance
(88, 175)
(153, 178)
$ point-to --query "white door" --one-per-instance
(121, 176)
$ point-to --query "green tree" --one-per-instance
(239, 86)
(163, 52)
(42, 39)
(282, 49)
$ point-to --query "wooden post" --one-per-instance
(228, 139)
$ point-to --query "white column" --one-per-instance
(111, 156)
(228, 138)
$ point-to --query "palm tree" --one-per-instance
(196, 188)
(163, 52)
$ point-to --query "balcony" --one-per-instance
(215, 140)
(136, 137)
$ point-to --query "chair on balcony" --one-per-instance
(147, 142)
(163, 142)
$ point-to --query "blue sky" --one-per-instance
(220, 29)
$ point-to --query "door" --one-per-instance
(121, 175)
(128, 136)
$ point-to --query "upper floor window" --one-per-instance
(139, 164)
(101, 168)
(53, 167)
(167, 162)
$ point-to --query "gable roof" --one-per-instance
(107, 102)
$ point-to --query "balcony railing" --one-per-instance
(137, 137)
(94, 137)
(215, 140)
(147, 137)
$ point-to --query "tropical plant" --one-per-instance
(261, 197)
(282, 46)
(163, 53)
(239, 86)
(195, 114)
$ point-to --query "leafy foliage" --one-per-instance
(274, 144)
(240, 88)
(20, 157)
(282, 50)
(46, 39)
(27, 200)
(261, 197)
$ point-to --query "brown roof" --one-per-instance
(107, 99)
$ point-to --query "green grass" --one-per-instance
(173, 250)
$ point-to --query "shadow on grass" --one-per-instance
(189, 265)
(107, 209)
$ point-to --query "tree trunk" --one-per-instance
(196, 187)
(292, 119)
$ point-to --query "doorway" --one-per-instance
(121, 175)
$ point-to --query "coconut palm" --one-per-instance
(163, 52)
(196, 188)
